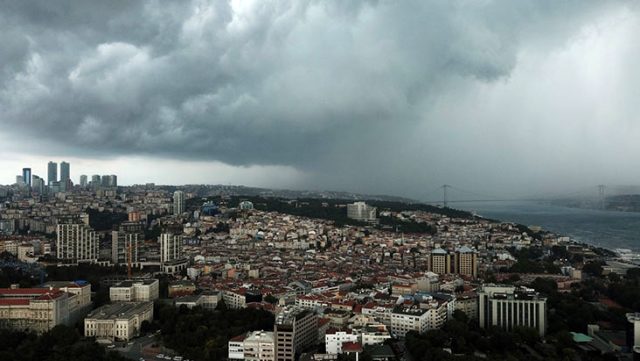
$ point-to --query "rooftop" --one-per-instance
(116, 311)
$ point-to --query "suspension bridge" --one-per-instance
(451, 194)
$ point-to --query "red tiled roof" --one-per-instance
(23, 291)
(14, 302)
(351, 347)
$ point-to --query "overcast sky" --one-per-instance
(394, 97)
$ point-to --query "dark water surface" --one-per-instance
(601, 228)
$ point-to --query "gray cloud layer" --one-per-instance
(348, 91)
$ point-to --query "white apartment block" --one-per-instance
(76, 243)
(234, 300)
(118, 321)
(135, 291)
(361, 211)
(170, 247)
(255, 346)
(334, 340)
(507, 307)
(405, 319)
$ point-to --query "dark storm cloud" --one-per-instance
(311, 84)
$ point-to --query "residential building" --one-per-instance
(76, 243)
(334, 340)
(124, 248)
(405, 319)
(178, 202)
(465, 262)
(170, 247)
(361, 211)
(439, 261)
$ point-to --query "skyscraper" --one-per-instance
(83, 180)
(65, 174)
(52, 172)
(95, 181)
(37, 184)
(26, 176)
(178, 202)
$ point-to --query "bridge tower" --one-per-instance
(445, 204)
(601, 195)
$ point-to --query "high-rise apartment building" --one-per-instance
(508, 307)
(26, 176)
(124, 247)
(361, 211)
(83, 180)
(52, 173)
(465, 262)
(178, 202)
(295, 330)
(76, 243)
(170, 247)
(439, 261)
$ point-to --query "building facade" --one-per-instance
(118, 321)
(33, 309)
(178, 202)
(76, 243)
(508, 307)
(295, 329)
(135, 291)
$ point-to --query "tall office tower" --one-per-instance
(178, 202)
(295, 329)
(109, 181)
(26, 176)
(52, 173)
(170, 247)
(83, 180)
(465, 262)
(76, 242)
(65, 175)
(439, 261)
(508, 307)
(37, 184)
(95, 181)
(19, 180)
